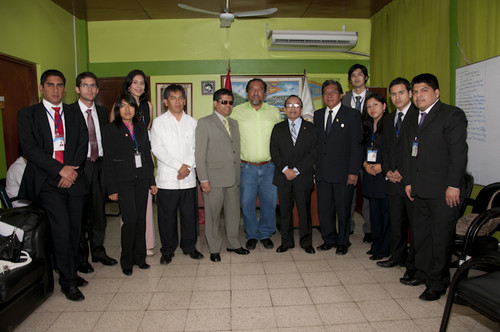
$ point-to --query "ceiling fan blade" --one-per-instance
(194, 9)
(263, 12)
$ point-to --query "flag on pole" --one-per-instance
(307, 101)
(227, 85)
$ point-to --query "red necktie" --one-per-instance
(59, 132)
(94, 149)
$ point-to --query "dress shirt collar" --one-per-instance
(220, 116)
(84, 107)
(49, 106)
(298, 123)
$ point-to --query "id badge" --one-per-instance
(371, 155)
(414, 148)
(58, 143)
(138, 160)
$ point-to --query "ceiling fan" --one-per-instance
(226, 17)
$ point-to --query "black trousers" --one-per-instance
(133, 198)
(380, 226)
(334, 201)
(303, 198)
(94, 221)
(169, 202)
(400, 213)
(434, 230)
(65, 213)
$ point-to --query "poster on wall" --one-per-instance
(160, 105)
(279, 87)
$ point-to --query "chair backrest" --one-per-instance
(484, 196)
(4, 198)
(468, 185)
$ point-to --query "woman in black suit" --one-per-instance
(373, 179)
(128, 168)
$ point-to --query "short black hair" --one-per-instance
(84, 75)
(174, 88)
(332, 82)
(358, 66)
(128, 82)
(400, 80)
(286, 101)
(116, 108)
(51, 72)
(222, 92)
(256, 80)
(426, 78)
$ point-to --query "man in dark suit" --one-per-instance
(433, 174)
(218, 165)
(356, 99)
(55, 142)
(338, 162)
(94, 225)
(293, 151)
(395, 124)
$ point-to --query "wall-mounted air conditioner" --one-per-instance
(296, 40)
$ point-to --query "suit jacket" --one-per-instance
(346, 99)
(36, 142)
(217, 154)
(119, 155)
(340, 153)
(302, 155)
(442, 152)
(102, 114)
(394, 151)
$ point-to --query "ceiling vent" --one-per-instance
(326, 41)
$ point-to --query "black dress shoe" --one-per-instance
(376, 258)
(369, 252)
(251, 244)
(144, 266)
(215, 257)
(85, 267)
(309, 250)
(80, 282)
(341, 250)
(127, 272)
(367, 238)
(283, 248)
(431, 294)
(194, 254)
(239, 251)
(387, 263)
(166, 259)
(105, 260)
(325, 247)
(267, 243)
(411, 282)
(72, 293)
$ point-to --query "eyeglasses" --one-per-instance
(85, 86)
(293, 105)
(225, 102)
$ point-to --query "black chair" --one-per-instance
(4, 198)
(481, 293)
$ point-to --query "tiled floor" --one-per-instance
(263, 291)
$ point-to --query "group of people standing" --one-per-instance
(411, 172)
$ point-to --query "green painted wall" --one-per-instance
(40, 32)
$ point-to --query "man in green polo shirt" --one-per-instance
(256, 120)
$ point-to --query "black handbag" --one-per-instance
(10, 247)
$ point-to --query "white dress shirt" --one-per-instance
(172, 142)
(84, 109)
(334, 113)
(51, 118)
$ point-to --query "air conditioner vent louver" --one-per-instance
(292, 40)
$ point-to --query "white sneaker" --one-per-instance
(150, 252)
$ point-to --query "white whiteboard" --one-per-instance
(478, 95)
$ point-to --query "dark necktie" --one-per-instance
(358, 102)
(294, 133)
(59, 132)
(399, 122)
(329, 122)
(422, 118)
(94, 149)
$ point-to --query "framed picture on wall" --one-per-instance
(207, 87)
(160, 106)
(279, 87)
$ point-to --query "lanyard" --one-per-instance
(59, 120)
(373, 135)
(132, 133)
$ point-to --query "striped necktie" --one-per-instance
(294, 133)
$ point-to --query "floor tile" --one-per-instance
(77, 321)
(290, 296)
(250, 298)
(243, 269)
(213, 283)
(112, 321)
(280, 267)
(320, 279)
(382, 310)
(296, 316)
(329, 294)
(130, 302)
(208, 319)
(252, 318)
(210, 299)
(287, 280)
(169, 320)
(340, 313)
(172, 284)
(396, 326)
(366, 292)
(139, 285)
(313, 266)
(170, 301)
(257, 281)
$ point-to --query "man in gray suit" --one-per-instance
(217, 156)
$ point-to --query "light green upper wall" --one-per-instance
(203, 39)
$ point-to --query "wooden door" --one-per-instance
(18, 87)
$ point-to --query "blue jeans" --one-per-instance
(258, 180)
